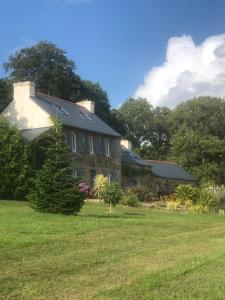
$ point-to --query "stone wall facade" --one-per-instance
(87, 164)
(135, 175)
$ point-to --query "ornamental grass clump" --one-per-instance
(100, 183)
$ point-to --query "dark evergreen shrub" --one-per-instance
(55, 189)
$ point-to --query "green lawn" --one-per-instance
(135, 253)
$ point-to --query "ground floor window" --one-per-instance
(90, 144)
(75, 173)
(112, 176)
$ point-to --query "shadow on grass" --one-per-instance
(114, 216)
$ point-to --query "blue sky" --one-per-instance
(118, 43)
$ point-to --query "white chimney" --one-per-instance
(23, 90)
(89, 105)
(23, 111)
(126, 144)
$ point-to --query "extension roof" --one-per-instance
(163, 169)
(73, 115)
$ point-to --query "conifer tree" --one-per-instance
(15, 168)
(55, 189)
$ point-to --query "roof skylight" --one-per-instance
(84, 115)
(61, 109)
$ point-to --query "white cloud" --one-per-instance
(189, 71)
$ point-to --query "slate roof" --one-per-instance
(31, 134)
(159, 168)
(73, 115)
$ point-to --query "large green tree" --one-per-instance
(197, 129)
(159, 135)
(47, 66)
(15, 169)
(146, 127)
(136, 116)
(202, 114)
(5, 93)
(93, 91)
(203, 155)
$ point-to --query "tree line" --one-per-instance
(191, 134)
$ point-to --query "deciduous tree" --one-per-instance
(5, 93)
(48, 67)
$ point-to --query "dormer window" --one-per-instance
(107, 149)
(90, 144)
(73, 142)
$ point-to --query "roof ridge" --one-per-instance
(60, 99)
(161, 161)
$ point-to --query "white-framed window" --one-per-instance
(90, 144)
(107, 149)
(110, 176)
(75, 173)
(74, 141)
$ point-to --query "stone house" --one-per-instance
(96, 147)
(161, 176)
(94, 144)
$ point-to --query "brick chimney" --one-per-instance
(126, 144)
(89, 105)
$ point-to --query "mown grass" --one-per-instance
(135, 253)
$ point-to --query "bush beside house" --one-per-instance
(55, 189)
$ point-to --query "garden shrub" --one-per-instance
(216, 196)
(130, 199)
(143, 192)
(112, 194)
(173, 205)
(100, 183)
(188, 203)
(206, 198)
(184, 192)
(219, 197)
(85, 188)
(199, 208)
